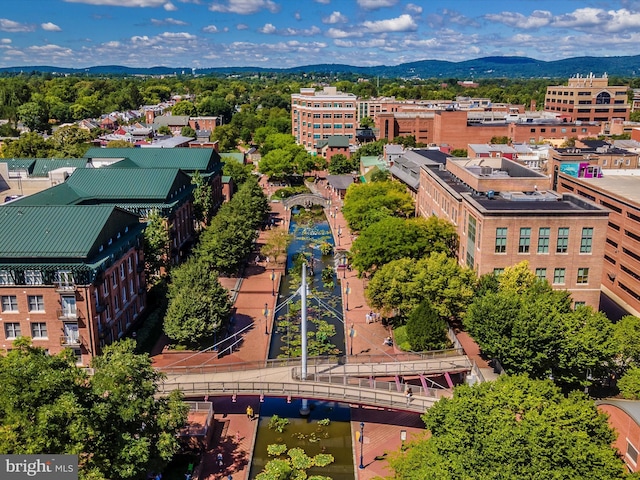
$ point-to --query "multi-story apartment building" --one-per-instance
(71, 276)
(619, 192)
(504, 215)
(588, 99)
(316, 116)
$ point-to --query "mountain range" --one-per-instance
(486, 67)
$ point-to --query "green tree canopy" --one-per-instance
(367, 203)
(401, 285)
(511, 429)
(111, 419)
(394, 238)
(202, 199)
(627, 337)
(534, 331)
(426, 330)
(341, 165)
(198, 305)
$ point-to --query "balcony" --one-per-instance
(70, 340)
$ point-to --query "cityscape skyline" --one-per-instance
(276, 33)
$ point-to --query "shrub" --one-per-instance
(629, 384)
(425, 329)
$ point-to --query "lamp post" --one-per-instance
(273, 279)
(346, 297)
(335, 218)
(344, 266)
(361, 466)
(266, 314)
(403, 437)
(352, 333)
(589, 378)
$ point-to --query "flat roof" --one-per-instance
(625, 186)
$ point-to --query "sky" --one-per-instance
(289, 33)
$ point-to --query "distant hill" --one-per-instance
(486, 67)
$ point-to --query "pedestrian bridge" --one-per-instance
(378, 384)
(305, 200)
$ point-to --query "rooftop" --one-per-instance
(204, 160)
(624, 185)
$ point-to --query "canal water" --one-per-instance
(324, 305)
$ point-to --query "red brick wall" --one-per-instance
(628, 432)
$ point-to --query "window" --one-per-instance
(105, 289)
(12, 330)
(632, 453)
(114, 281)
(586, 240)
(64, 279)
(36, 303)
(33, 277)
(583, 276)
(122, 270)
(541, 273)
(577, 305)
(471, 241)
(558, 276)
(68, 303)
(501, 240)
(6, 278)
(563, 240)
(525, 240)
(9, 303)
(543, 239)
(131, 287)
(38, 330)
(498, 271)
(130, 264)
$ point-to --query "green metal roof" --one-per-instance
(43, 166)
(226, 178)
(371, 161)
(61, 194)
(14, 164)
(125, 183)
(204, 160)
(67, 231)
(233, 156)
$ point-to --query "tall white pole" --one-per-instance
(303, 321)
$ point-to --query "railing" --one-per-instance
(71, 340)
(461, 363)
(311, 361)
(67, 313)
(340, 393)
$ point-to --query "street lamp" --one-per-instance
(361, 445)
(403, 437)
(589, 378)
(352, 333)
(273, 278)
(346, 297)
(266, 313)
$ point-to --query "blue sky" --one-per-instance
(285, 33)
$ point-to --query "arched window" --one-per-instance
(603, 98)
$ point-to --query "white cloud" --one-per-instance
(324, 2)
(170, 7)
(335, 17)
(403, 23)
(376, 4)
(242, 26)
(413, 8)
(210, 29)
(11, 26)
(167, 21)
(50, 27)
(537, 19)
(339, 33)
(268, 29)
(300, 32)
(245, 7)
(123, 3)
(5, 40)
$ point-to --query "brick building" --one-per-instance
(618, 192)
(624, 418)
(71, 276)
(504, 216)
(588, 99)
(316, 116)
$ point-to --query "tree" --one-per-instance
(341, 165)
(202, 199)
(198, 305)
(426, 330)
(534, 331)
(29, 145)
(184, 107)
(35, 116)
(511, 429)
(111, 419)
(367, 203)
(401, 285)
(119, 144)
(407, 141)
(187, 131)
(237, 171)
(276, 244)
(626, 334)
(156, 244)
(503, 140)
(629, 384)
(395, 238)
(459, 152)
(164, 130)
(367, 122)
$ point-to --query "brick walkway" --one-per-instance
(382, 427)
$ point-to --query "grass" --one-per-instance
(401, 339)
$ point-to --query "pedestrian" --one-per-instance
(249, 412)
(368, 317)
(219, 460)
(257, 258)
(409, 394)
